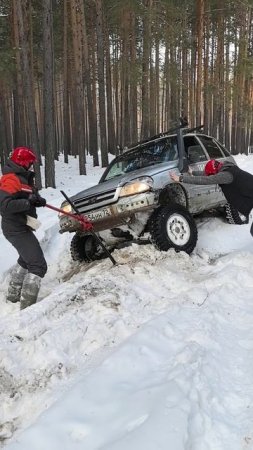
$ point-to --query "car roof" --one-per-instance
(146, 143)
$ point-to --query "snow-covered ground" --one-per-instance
(155, 353)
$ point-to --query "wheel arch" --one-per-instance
(173, 193)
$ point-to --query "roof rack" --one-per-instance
(190, 130)
(157, 136)
(182, 126)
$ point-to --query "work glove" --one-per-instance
(36, 200)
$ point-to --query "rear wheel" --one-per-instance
(234, 217)
(173, 226)
(83, 248)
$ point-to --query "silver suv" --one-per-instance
(136, 200)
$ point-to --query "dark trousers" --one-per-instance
(30, 253)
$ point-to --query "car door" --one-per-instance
(200, 196)
(214, 152)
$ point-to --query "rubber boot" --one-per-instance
(15, 284)
(30, 290)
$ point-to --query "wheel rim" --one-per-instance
(178, 230)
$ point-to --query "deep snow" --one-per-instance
(155, 353)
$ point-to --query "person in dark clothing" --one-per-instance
(18, 202)
(235, 183)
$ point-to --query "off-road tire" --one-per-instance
(83, 248)
(234, 217)
(172, 226)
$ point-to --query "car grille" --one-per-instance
(96, 201)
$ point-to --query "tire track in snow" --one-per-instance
(97, 310)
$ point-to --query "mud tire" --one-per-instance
(83, 248)
(173, 226)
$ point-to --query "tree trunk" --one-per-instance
(28, 89)
(206, 93)
(19, 136)
(66, 101)
(125, 81)
(199, 80)
(92, 117)
(48, 97)
(93, 70)
(78, 123)
(244, 19)
(133, 80)
(145, 106)
(109, 109)
(101, 83)
(157, 84)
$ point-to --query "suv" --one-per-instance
(136, 200)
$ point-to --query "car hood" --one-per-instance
(118, 181)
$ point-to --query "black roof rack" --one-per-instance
(191, 130)
(166, 133)
(157, 136)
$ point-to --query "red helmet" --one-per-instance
(212, 167)
(23, 156)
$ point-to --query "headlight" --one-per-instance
(136, 186)
(66, 207)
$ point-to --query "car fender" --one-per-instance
(173, 193)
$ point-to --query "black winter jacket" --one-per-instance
(14, 203)
(239, 193)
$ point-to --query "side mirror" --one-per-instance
(195, 154)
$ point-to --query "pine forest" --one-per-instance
(91, 77)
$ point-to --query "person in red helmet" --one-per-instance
(212, 167)
(235, 183)
(18, 202)
(23, 156)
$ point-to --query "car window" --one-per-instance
(143, 156)
(188, 142)
(193, 150)
(225, 151)
(211, 147)
(170, 149)
(196, 154)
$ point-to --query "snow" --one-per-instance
(152, 354)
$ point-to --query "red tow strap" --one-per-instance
(86, 224)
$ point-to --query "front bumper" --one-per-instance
(112, 215)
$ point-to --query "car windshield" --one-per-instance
(143, 156)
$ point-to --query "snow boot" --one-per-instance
(30, 290)
(15, 284)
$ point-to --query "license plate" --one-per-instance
(98, 215)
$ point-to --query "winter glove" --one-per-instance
(36, 200)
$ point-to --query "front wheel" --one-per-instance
(83, 247)
(172, 226)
